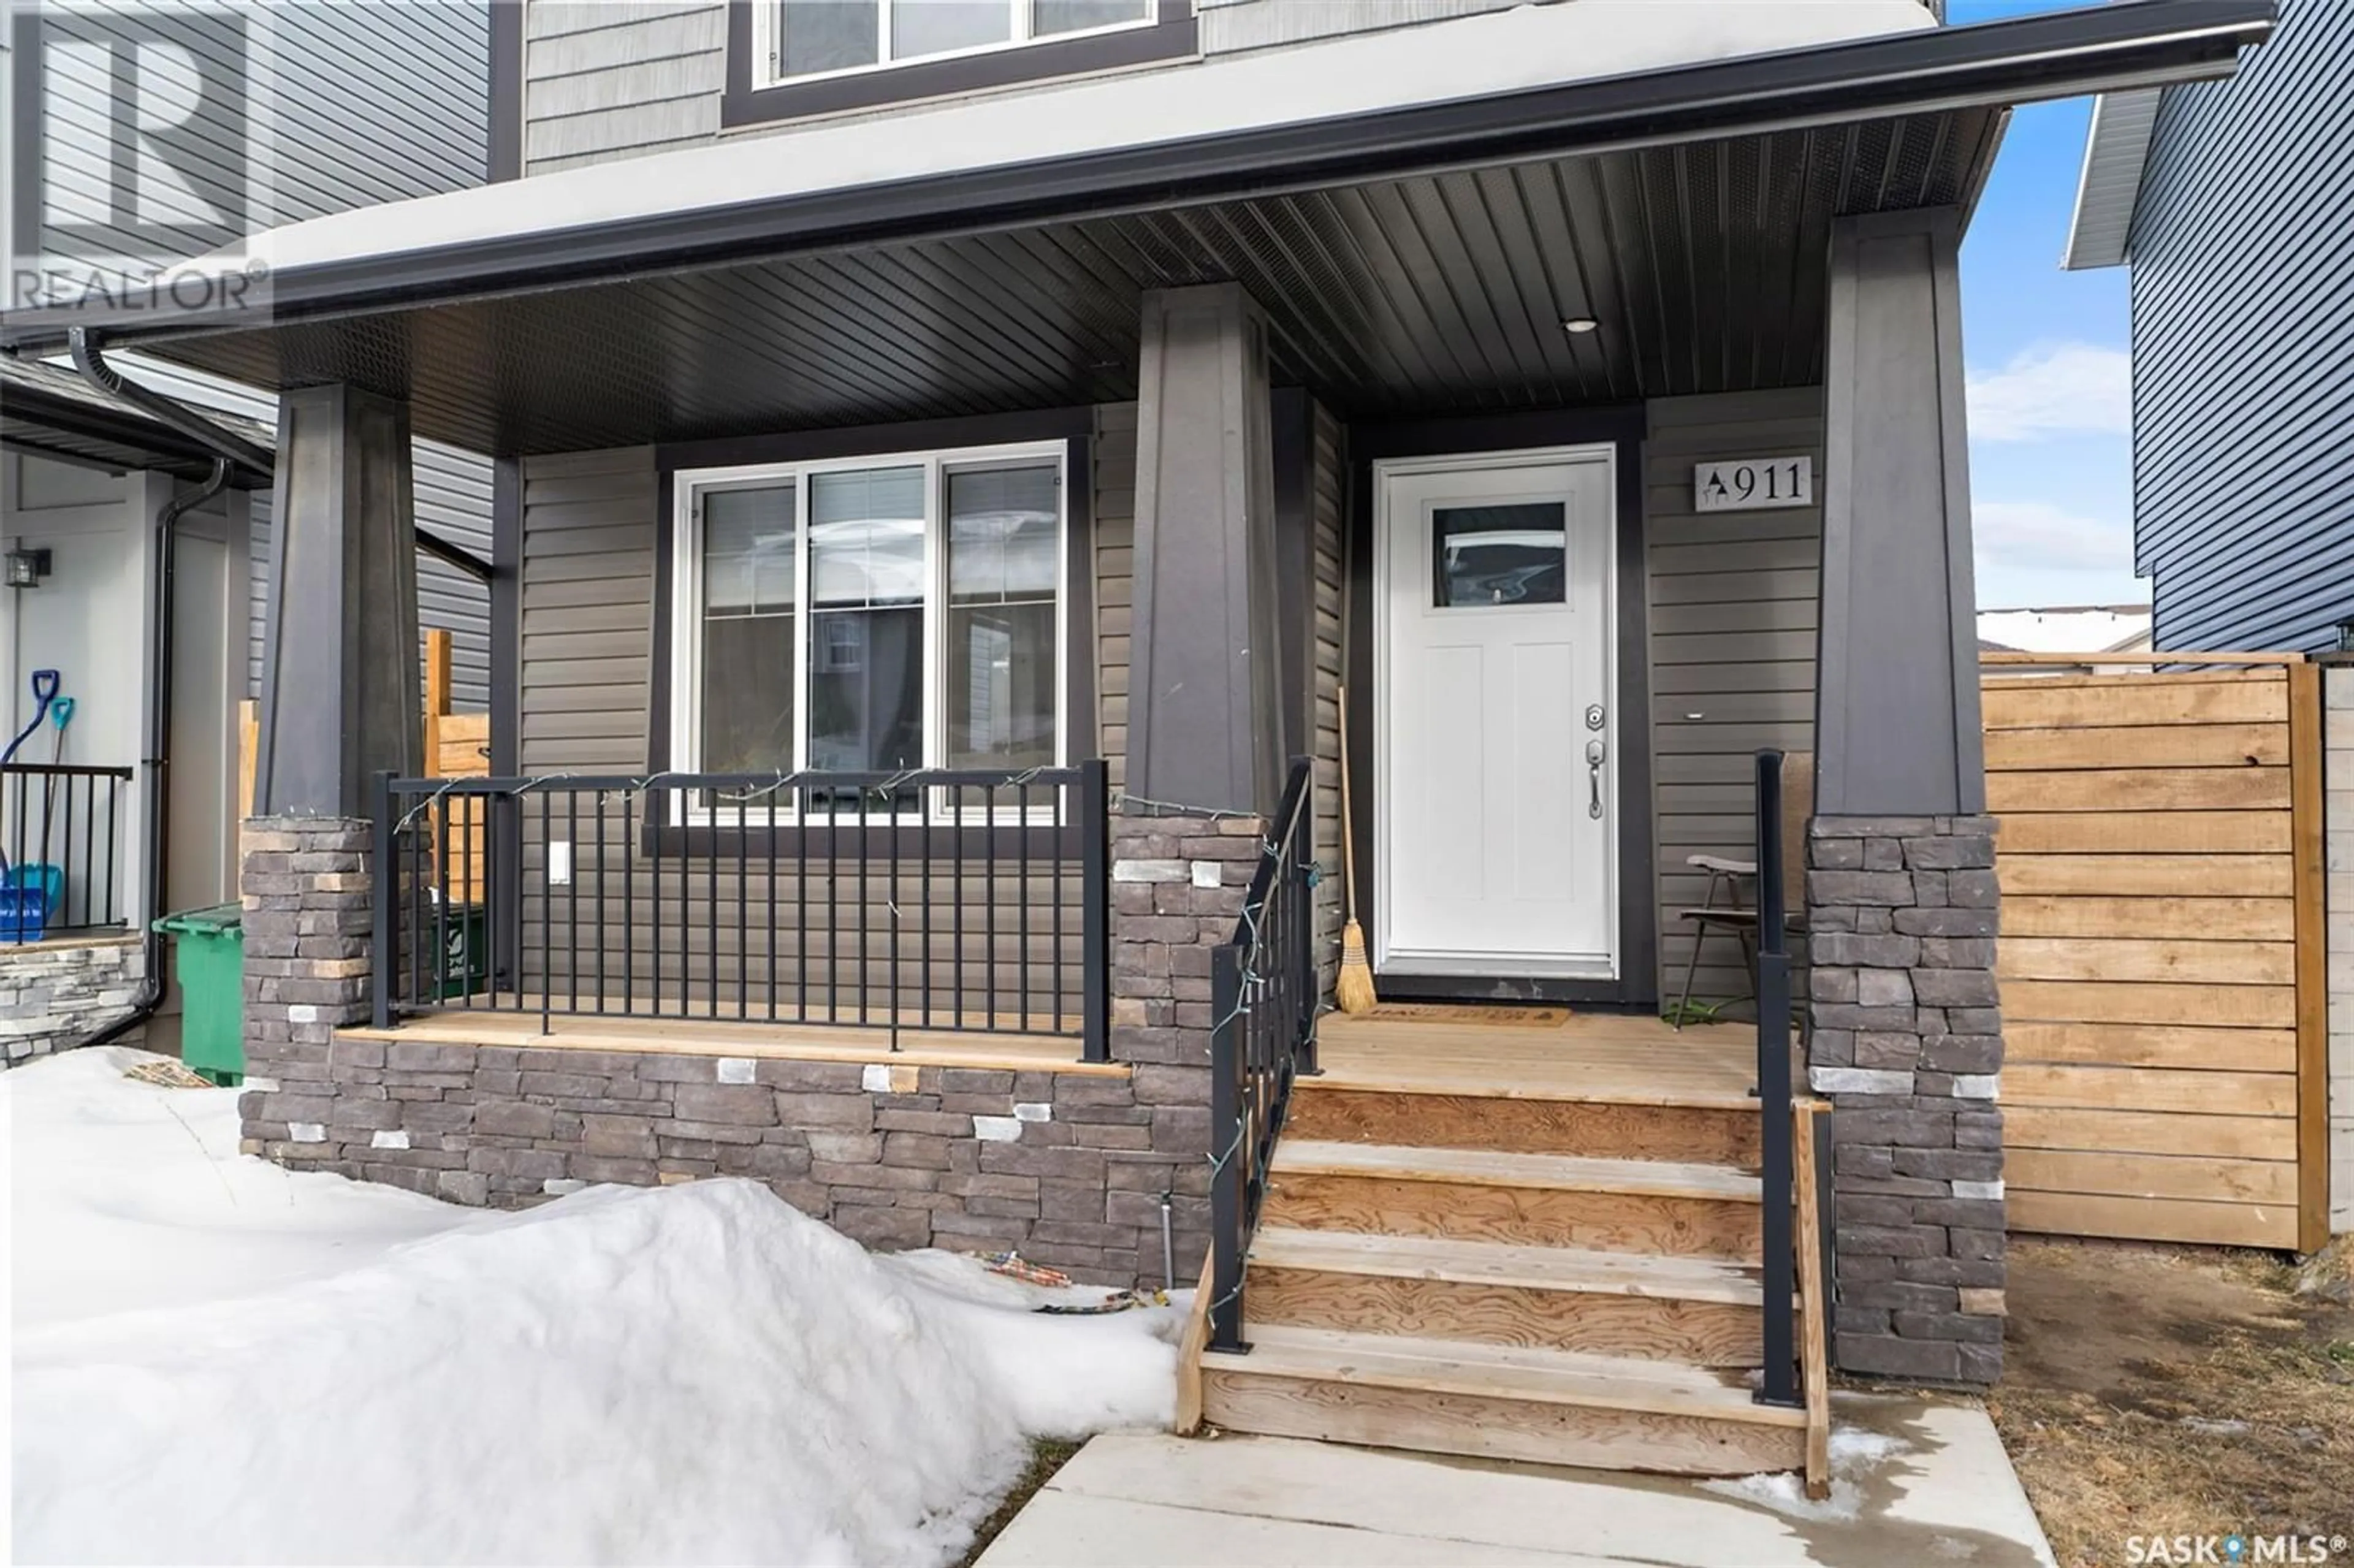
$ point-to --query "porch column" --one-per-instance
(1205, 722)
(340, 700)
(1901, 893)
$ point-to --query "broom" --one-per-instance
(1354, 990)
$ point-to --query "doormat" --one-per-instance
(1469, 1012)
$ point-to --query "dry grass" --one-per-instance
(1046, 1456)
(2175, 1391)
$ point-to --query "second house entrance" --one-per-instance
(1495, 797)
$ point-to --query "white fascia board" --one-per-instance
(2117, 150)
(1472, 58)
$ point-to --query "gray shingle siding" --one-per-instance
(2243, 269)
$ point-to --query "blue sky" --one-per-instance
(2051, 455)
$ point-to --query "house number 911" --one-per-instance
(1746, 485)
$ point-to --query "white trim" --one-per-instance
(767, 58)
(1457, 962)
(686, 617)
(2108, 185)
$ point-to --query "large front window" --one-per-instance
(872, 616)
(809, 39)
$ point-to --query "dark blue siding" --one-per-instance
(2242, 267)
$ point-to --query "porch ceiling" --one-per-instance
(1703, 262)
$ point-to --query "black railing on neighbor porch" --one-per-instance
(1779, 1386)
(61, 829)
(1263, 997)
(969, 899)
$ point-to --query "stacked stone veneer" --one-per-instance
(1907, 1044)
(57, 994)
(1070, 1167)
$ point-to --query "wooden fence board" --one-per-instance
(2161, 951)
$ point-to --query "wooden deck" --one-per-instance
(1601, 1057)
(726, 1037)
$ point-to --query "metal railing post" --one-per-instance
(1228, 1154)
(384, 944)
(1094, 906)
(1780, 1381)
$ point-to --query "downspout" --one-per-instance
(157, 765)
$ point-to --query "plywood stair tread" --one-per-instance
(1480, 1167)
(1506, 1079)
(1465, 1262)
(1444, 1367)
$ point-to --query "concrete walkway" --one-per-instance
(1915, 1481)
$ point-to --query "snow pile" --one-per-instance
(694, 1373)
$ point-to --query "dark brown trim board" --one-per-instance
(1173, 36)
(1638, 981)
(1074, 427)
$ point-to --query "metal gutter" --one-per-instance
(261, 462)
(2139, 43)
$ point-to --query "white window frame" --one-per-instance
(686, 621)
(768, 41)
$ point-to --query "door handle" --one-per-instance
(1595, 752)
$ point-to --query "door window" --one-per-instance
(1511, 554)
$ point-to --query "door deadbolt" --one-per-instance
(1594, 717)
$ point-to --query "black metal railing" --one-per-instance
(61, 831)
(1264, 994)
(934, 898)
(1779, 1386)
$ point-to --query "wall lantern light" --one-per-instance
(26, 568)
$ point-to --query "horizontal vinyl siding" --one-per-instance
(610, 81)
(2242, 272)
(1734, 604)
(1115, 516)
(1328, 508)
(589, 528)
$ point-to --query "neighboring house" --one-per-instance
(2087, 628)
(952, 460)
(2244, 471)
(341, 106)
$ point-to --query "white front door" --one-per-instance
(1495, 797)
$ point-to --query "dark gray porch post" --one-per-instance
(1901, 893)
(1205, 724)
(340, 699)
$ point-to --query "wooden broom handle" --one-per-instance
(1348, 821)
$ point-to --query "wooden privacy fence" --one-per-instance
(456, 745)
(2161, 959)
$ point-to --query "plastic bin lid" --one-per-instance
(212, 922)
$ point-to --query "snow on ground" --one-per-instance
(220, 1361)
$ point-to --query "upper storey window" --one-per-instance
(788, 59)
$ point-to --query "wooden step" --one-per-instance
(1339, 1107)
(1697, 1310)
(1539, 1200)
(1494, 1401)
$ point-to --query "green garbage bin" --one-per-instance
(461, 933)
(210, 963)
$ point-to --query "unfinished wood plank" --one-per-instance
(1702, 1333)
(2312, 966)
(2114, 701)
(1558, 1172)
(1189, 1347)
(2003, 657)
(2204, 919)
(2143, 832)
(248, 749)
(2148, 1132)
(2140, 790)
(2138, 745)
(1598, 1220)
(2149, 1089)
(2151, 875)
(2146, 958)
(2150, 1046)
(1814, 1308)
(1725, 1136)
(2155, 1219)
(2205, 1178)
(2092, 1001)
(1497, 1263)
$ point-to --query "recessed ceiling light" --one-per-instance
(1580, 324)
